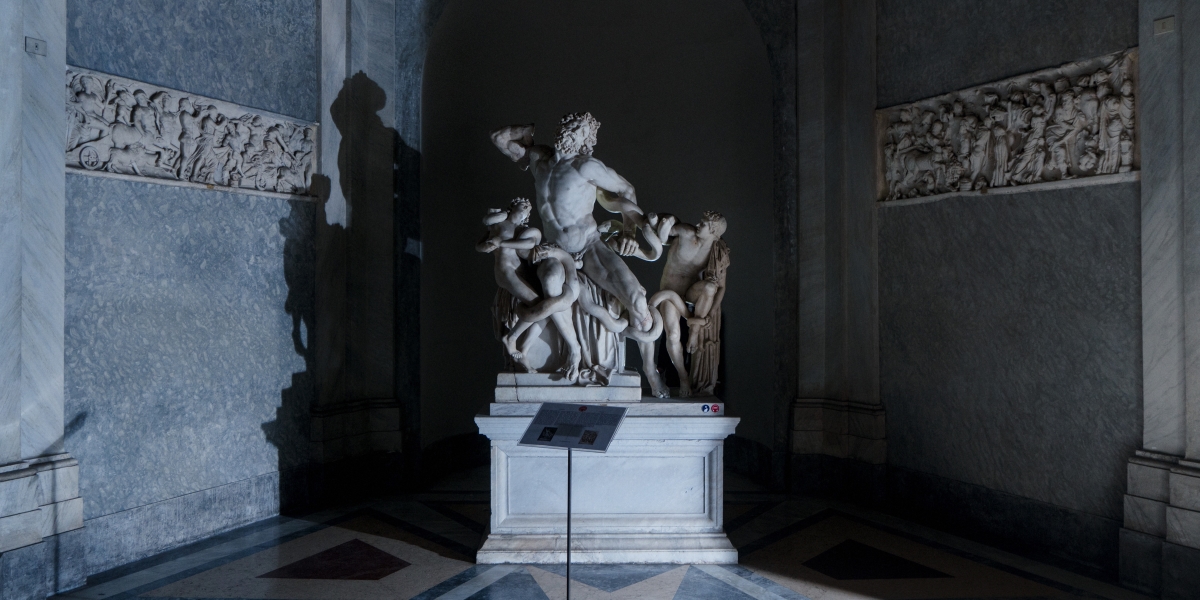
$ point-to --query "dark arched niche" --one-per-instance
(683, 90)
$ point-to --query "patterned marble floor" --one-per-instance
(422, 547)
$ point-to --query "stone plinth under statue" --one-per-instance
(656, 496)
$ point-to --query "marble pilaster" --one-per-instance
(838, 264)
(1162, 282)
(1189, 115)
(356, 412)
(1162, 501)
(334, 62)
(39, 490)
(12, 48)
(43, 182)
(839, 356)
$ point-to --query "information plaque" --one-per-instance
(587, 427)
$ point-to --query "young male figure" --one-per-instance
(683, 280)
(510, 238)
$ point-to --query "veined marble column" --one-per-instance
(838, 412)
(1160, 540)
(41, 513)
(356, 414)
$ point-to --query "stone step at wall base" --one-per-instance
(679, 549)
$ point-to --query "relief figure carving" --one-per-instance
(1054, 124)
(132, 128)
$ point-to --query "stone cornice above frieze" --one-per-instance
(1056, 125)
(129, 129)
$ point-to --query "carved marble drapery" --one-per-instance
(1073, 121)
(128, 127)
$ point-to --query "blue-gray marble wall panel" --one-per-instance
(1010, 341)
(259, 53)
(930, 47)
(21, 574)
(187, 311)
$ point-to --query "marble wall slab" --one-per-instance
(187, 321)
(1011, 341)
(259, 53)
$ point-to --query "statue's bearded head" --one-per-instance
(576, 134)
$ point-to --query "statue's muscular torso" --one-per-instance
(686, 258)
(564, 199)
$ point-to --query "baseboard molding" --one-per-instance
(1077, 541)
(123, 537)
(1080, 542)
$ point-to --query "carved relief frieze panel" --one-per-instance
(126, 127)
(1069, 122)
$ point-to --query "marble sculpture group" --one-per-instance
(567, 301)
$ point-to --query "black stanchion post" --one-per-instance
(568, 523)
(593, 431)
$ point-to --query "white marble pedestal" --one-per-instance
(656, 496)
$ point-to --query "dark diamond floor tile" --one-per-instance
(609, 578)
(355, 559)
(381, 525)
(854, 560)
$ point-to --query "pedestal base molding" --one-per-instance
(39, 498)
(1162, 524)
(840, 428)
(351, 429)
(693, 549)
(41, 526)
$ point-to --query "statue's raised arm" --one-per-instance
(516, 142)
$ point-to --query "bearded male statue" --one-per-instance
(567, 180)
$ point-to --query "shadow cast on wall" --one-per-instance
(346, 427)
(289, 431)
